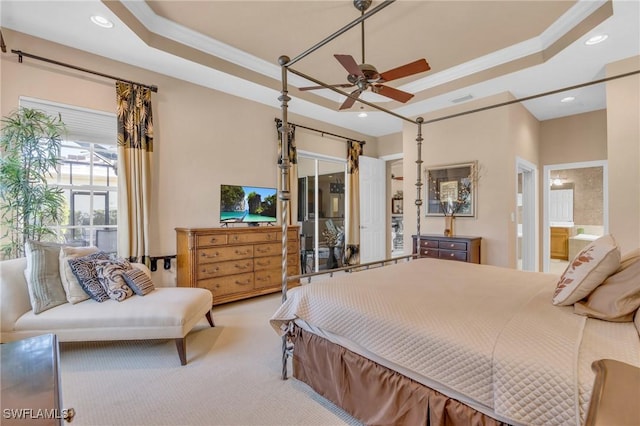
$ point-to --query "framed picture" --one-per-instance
(396, 206)
(451, 189)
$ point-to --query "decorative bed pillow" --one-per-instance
(72, 287)
(629, 258)
(138, 281)
(111, 279)
(587, 270)
(84, 268)
(43, 276)
(617, 299)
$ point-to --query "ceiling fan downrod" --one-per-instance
(362, 5)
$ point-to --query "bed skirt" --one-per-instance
(374, 394)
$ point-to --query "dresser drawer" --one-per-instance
(228, 285)
(429, 252)
(272, 277)
(210, 240)
(219, 254)
(453, 245)
(428, 243)
(262, 237)
(268, 262)
(452, 255)
(230, 267)
(270, 249)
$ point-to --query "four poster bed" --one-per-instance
(428, 341)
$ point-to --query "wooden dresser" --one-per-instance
(461, 248)
(235, 263)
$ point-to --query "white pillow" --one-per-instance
(70, 283)
(587, 271)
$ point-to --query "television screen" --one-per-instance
(247, 204)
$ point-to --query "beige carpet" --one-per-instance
(232, 377)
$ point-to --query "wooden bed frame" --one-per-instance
(329, 368)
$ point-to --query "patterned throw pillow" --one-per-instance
(72, 287)
(138, 281)
(84, 268)
(43, 276)
(587, 270)
(110, 276)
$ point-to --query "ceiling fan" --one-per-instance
(365, 76)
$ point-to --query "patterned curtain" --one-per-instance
(352, 249)
(135, 146)
(292, 213)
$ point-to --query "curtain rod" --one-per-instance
(322, 132)
(20, 54)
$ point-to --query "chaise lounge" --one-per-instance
(164, 313)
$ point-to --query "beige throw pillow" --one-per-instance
(629, 258)
(617, 299)
(43, 276)
(587, 270)
(70, 283)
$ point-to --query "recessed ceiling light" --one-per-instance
(362, 114)
(568, 99)
(596, 39)
(101, 21)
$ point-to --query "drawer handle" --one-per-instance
(425, 251)
(235, 238)
(263, 250)
(267, 278)
(241, 266)
(211, 255)
(452, 245)
(243, 282)
(264, 263)
(213, 240)
(452, 255)
(242, 252)
(216, 269)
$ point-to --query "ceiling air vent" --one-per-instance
(462, 99)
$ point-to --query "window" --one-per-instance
(87, 174)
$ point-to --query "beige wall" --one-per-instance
(203, 137)
(577, 138)
(623, 151)
(469, 138)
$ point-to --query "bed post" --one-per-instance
(419, 140)
(284, 192)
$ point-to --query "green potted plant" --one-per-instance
(30, 144)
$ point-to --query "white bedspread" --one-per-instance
(487, 333)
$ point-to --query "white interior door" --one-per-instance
(373, 210)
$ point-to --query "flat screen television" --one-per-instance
(247, 204)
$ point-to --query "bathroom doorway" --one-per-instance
(575, 210)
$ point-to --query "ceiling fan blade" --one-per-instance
(348, 103)
(392, 93)
(415, 67)
(349, 64)
(322, 87)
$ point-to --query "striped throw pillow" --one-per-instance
(139, 282)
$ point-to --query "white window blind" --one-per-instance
(83, 124)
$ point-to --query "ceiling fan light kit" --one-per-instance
(365, 76)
